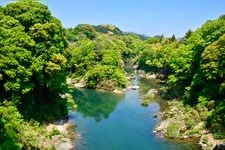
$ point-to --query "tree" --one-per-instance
(173, 38)
(32, 63)
(10, 123)
(31, 49)
(81, 31)
(15, 58)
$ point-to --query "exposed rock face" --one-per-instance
(63, 140)
(182, 122)
(64, 146)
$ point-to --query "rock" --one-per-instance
(152, 92)
(183, 128)
(162, 127)
(199, 126)
(79, 85)
(219, 147)
(70, 81)
(155, 116)
(118, 92)
(64, 146)
(185, 137)
(135, 67)
(207, 141)
(161, 81)
(62, 95)
(134, 87)
(64, 137)
(152, 76)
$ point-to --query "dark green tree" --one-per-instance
(32, 64)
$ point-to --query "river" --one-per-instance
(109, 121)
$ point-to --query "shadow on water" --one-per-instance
(96, 104)
(44, 107)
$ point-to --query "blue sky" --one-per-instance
(149, 17)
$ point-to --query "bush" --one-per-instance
(173, 130)
(190, 123)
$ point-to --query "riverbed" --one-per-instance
(110, 121)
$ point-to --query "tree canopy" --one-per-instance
(32, 43)
(97, 55)
(193, 67)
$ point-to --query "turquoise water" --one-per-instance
(109, 121)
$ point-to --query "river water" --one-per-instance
(109, 121)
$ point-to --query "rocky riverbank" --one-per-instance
(183, 122)
(179, 122)
(62, 135)
(102, 87)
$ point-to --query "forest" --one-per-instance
(38, 55)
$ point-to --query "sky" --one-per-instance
(148, 17)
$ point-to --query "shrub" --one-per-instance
(173, 130)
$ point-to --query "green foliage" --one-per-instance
(10, 123)
(81, 31)
(216, 119)
(35, 60)
(32, 64)
(156, 54)
(16, 133)
(173, 130)
(105, 74)
(193, 68)
(70, 102)
(15, 59)
(82, 57)
(31, 45)
(100, 61)
(190, 123)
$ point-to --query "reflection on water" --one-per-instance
(108, 121)
(147, 84)
(96, 104)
